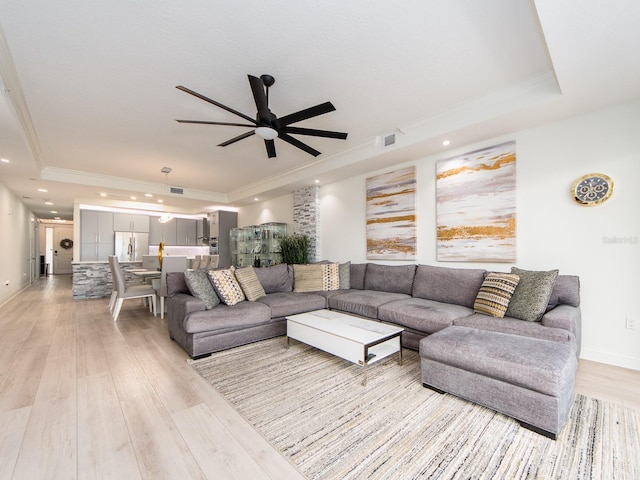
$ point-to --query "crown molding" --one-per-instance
(110, 182)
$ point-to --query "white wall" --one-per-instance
(16, 230)
(552, 230)
(277, 210)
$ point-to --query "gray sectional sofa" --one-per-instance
(522, 367)
(423, 299)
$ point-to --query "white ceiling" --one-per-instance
(89, 98)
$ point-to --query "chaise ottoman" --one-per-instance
(529, 379)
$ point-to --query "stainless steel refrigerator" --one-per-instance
(131, 246)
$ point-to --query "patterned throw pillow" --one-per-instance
(530, 298)
(251, 286)
(200, 286)
(345, 275)
(330, 276)
(226, 286)
(495, 293)
(308, 278)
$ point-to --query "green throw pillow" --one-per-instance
(531, 296)
(345, 275)
(200, 286)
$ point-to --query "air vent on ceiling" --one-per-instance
(177, 190)
(389, 140)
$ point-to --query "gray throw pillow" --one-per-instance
(530, 298)
(200, 286)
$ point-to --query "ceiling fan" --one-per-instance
(266, 124)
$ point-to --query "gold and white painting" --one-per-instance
(476, 206)
(391, 215)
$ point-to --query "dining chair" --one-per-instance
(204, 263)
(150, 262)
(195, 263)
(125, 292)
(213, 262)
(171, 263)
(114, 289)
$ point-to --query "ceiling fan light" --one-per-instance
(267, 133)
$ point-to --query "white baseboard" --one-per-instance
(610, 359)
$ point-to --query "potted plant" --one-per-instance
(295, 249)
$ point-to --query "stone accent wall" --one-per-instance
(93, 280)
(306, 217)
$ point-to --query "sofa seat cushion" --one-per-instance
(531, 363)
(282, 304)
(422, 315)
(515, 326)
(227, 318)
(363, 302)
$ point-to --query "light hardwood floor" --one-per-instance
(84, 397)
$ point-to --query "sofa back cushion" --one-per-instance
(275, 278)
(459, 286)
(390, 278)
(176, 284)
(566, 291)
(357, 272)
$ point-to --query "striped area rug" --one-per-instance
(314, 409)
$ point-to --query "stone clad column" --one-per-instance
(306, 217)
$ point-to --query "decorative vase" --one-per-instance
(160, 249)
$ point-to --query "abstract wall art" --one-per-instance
(391, 215)
(476, 206)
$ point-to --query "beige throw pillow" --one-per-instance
(307, 278)
(495, 293)
(249, 283)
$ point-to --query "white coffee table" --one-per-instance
(358, 340)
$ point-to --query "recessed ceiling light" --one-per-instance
(48, 203)
(159, 200)
(256, 199)
(54, 211)
(317, 181)
(148, 195)
(43, 190)
(102, 194)
(446, 143)
(133, 198)
(4, 160)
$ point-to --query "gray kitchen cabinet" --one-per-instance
(96, 235)
(165, 232)
(186, 231)
(178, 231)
(130, 222)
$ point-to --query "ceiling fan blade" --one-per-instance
(202, 122)
(217, 104)
(235, 139)
(315, 133)
(304, 114)
(271, 148)
(297, 143)
(260, 97)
